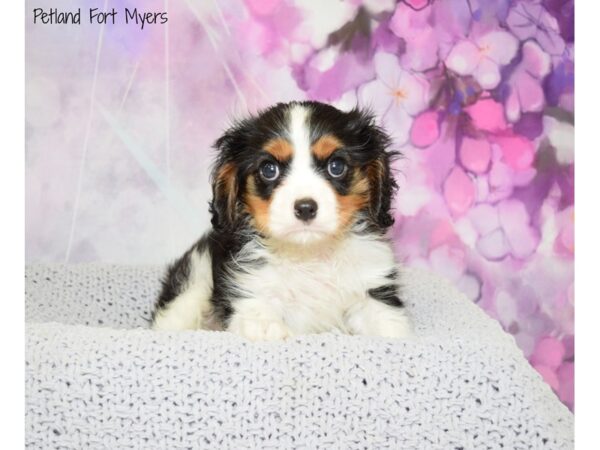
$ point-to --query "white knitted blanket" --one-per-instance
(96, 378)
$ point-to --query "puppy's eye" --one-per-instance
(336, 167)
(269, 171)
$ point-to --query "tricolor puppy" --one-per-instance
(300, 210)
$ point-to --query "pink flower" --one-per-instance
(493, 246)
(459, 191)
(487, 115)
(414, 26)
(429, 30)
(395, 95)
(439, 158)
(548, 351)
(547, 358)
(566, 378)
(442, 233)
(503, 177)
(527, 94)
(548, 375)
(425, 129)
(484, 218)
(518, 152)
(504, 229)
(514, 220)
(475, 154)
(482, 57)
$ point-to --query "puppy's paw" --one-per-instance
(376, 319)
(260, 329)
(396, 326)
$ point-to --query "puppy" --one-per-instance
(300, 210)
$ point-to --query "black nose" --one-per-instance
(305, 209)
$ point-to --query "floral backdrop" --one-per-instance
(477, 94)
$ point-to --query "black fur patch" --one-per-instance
(177, 276)
(224, 248)
(388, 294)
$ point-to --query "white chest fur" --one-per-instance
(312, 290)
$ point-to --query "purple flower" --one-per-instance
(482, 57)
(564, 12)
(529, 20)
(329, 74)
(527, 94)
(396, 96)
(414, 27)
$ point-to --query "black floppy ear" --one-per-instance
(224, 206)
(382, 188)
(382, 185)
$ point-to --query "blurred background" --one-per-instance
(477, 94)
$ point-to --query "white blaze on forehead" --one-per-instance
(302, 181)
(300, 135)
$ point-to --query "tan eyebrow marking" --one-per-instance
(325, 146)
(280, 149)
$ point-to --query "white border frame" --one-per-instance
(12, 233)
(587, 223)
